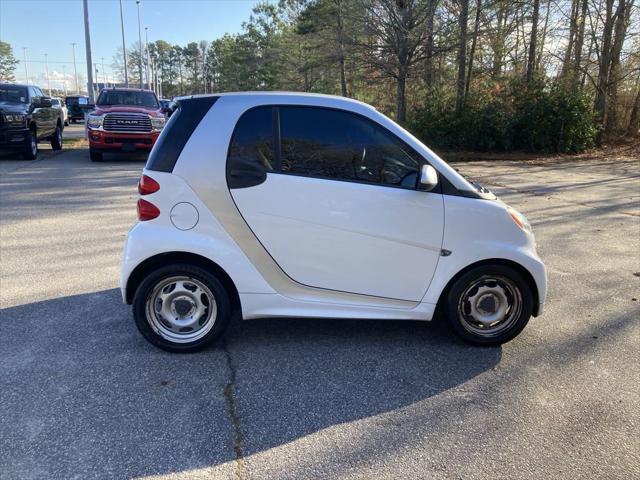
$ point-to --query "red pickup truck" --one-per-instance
(124, 119)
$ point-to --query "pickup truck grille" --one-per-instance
(127, 122)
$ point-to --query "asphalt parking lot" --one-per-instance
(84, 396)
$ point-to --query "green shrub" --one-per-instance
(534, 117)
(553, 118)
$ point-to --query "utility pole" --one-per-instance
(64, 79)
(124, 48)
(204, 68)
(87, 43)
(97, 87)
(26, 70)
(140, 42)
(104, 72)
(146, 41)
(46, 66)
(75, 69)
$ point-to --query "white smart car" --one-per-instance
(300, 205)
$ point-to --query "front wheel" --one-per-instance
(181, 308)
(489, 305)
(56, 139)
(31, 146)
(95, 155)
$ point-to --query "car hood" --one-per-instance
(8, 107)
(102, 109)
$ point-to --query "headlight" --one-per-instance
(95, 121)
(519, 219)
(15, 118)
(157, 122)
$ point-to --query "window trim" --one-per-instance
(277, 148)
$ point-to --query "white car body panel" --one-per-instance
(297, 218)
(477, 230)
(346, 281)
(207, 239)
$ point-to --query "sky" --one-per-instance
(49, 27)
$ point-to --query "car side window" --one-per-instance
(340, 145)
(251, 152)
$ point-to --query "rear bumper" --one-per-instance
(13, 139)
(113, 141)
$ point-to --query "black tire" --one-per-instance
(31, 146)
(95, 155)
(149, 285)
(519, 300)
(56, 138)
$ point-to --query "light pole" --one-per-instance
(75, 69)
(26, 70)
(64, 79)
(104, 73)
(146, 41)
(87, 42)
(204, 67)
(140, 42)
(124, 48)
(95, 66)
(46, 66)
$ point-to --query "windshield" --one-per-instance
(13, 94)
(135, 99)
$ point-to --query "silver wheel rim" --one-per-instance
(59, 136)
(181, 309)
(34, 144)
(490, 305)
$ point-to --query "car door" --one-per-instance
(338, 207)
(41, 115)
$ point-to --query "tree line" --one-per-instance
(536, 74)
(557, 75)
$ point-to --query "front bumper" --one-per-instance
(113, 141)
(13, 138)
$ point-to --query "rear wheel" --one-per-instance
(56, 139)
(31, 146)
(95, 155)
(489, 305)
(181, 308)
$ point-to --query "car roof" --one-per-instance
(283, 95)
(125, 89)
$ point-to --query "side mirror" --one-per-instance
(428, 178)
(44, 102)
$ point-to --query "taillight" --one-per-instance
(147, 210)
(147, 185)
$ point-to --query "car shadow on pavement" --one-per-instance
(83, 395)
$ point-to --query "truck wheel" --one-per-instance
(181, 308)
(31, 146)
(95, 155)
(56, 139)
(489, 305)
